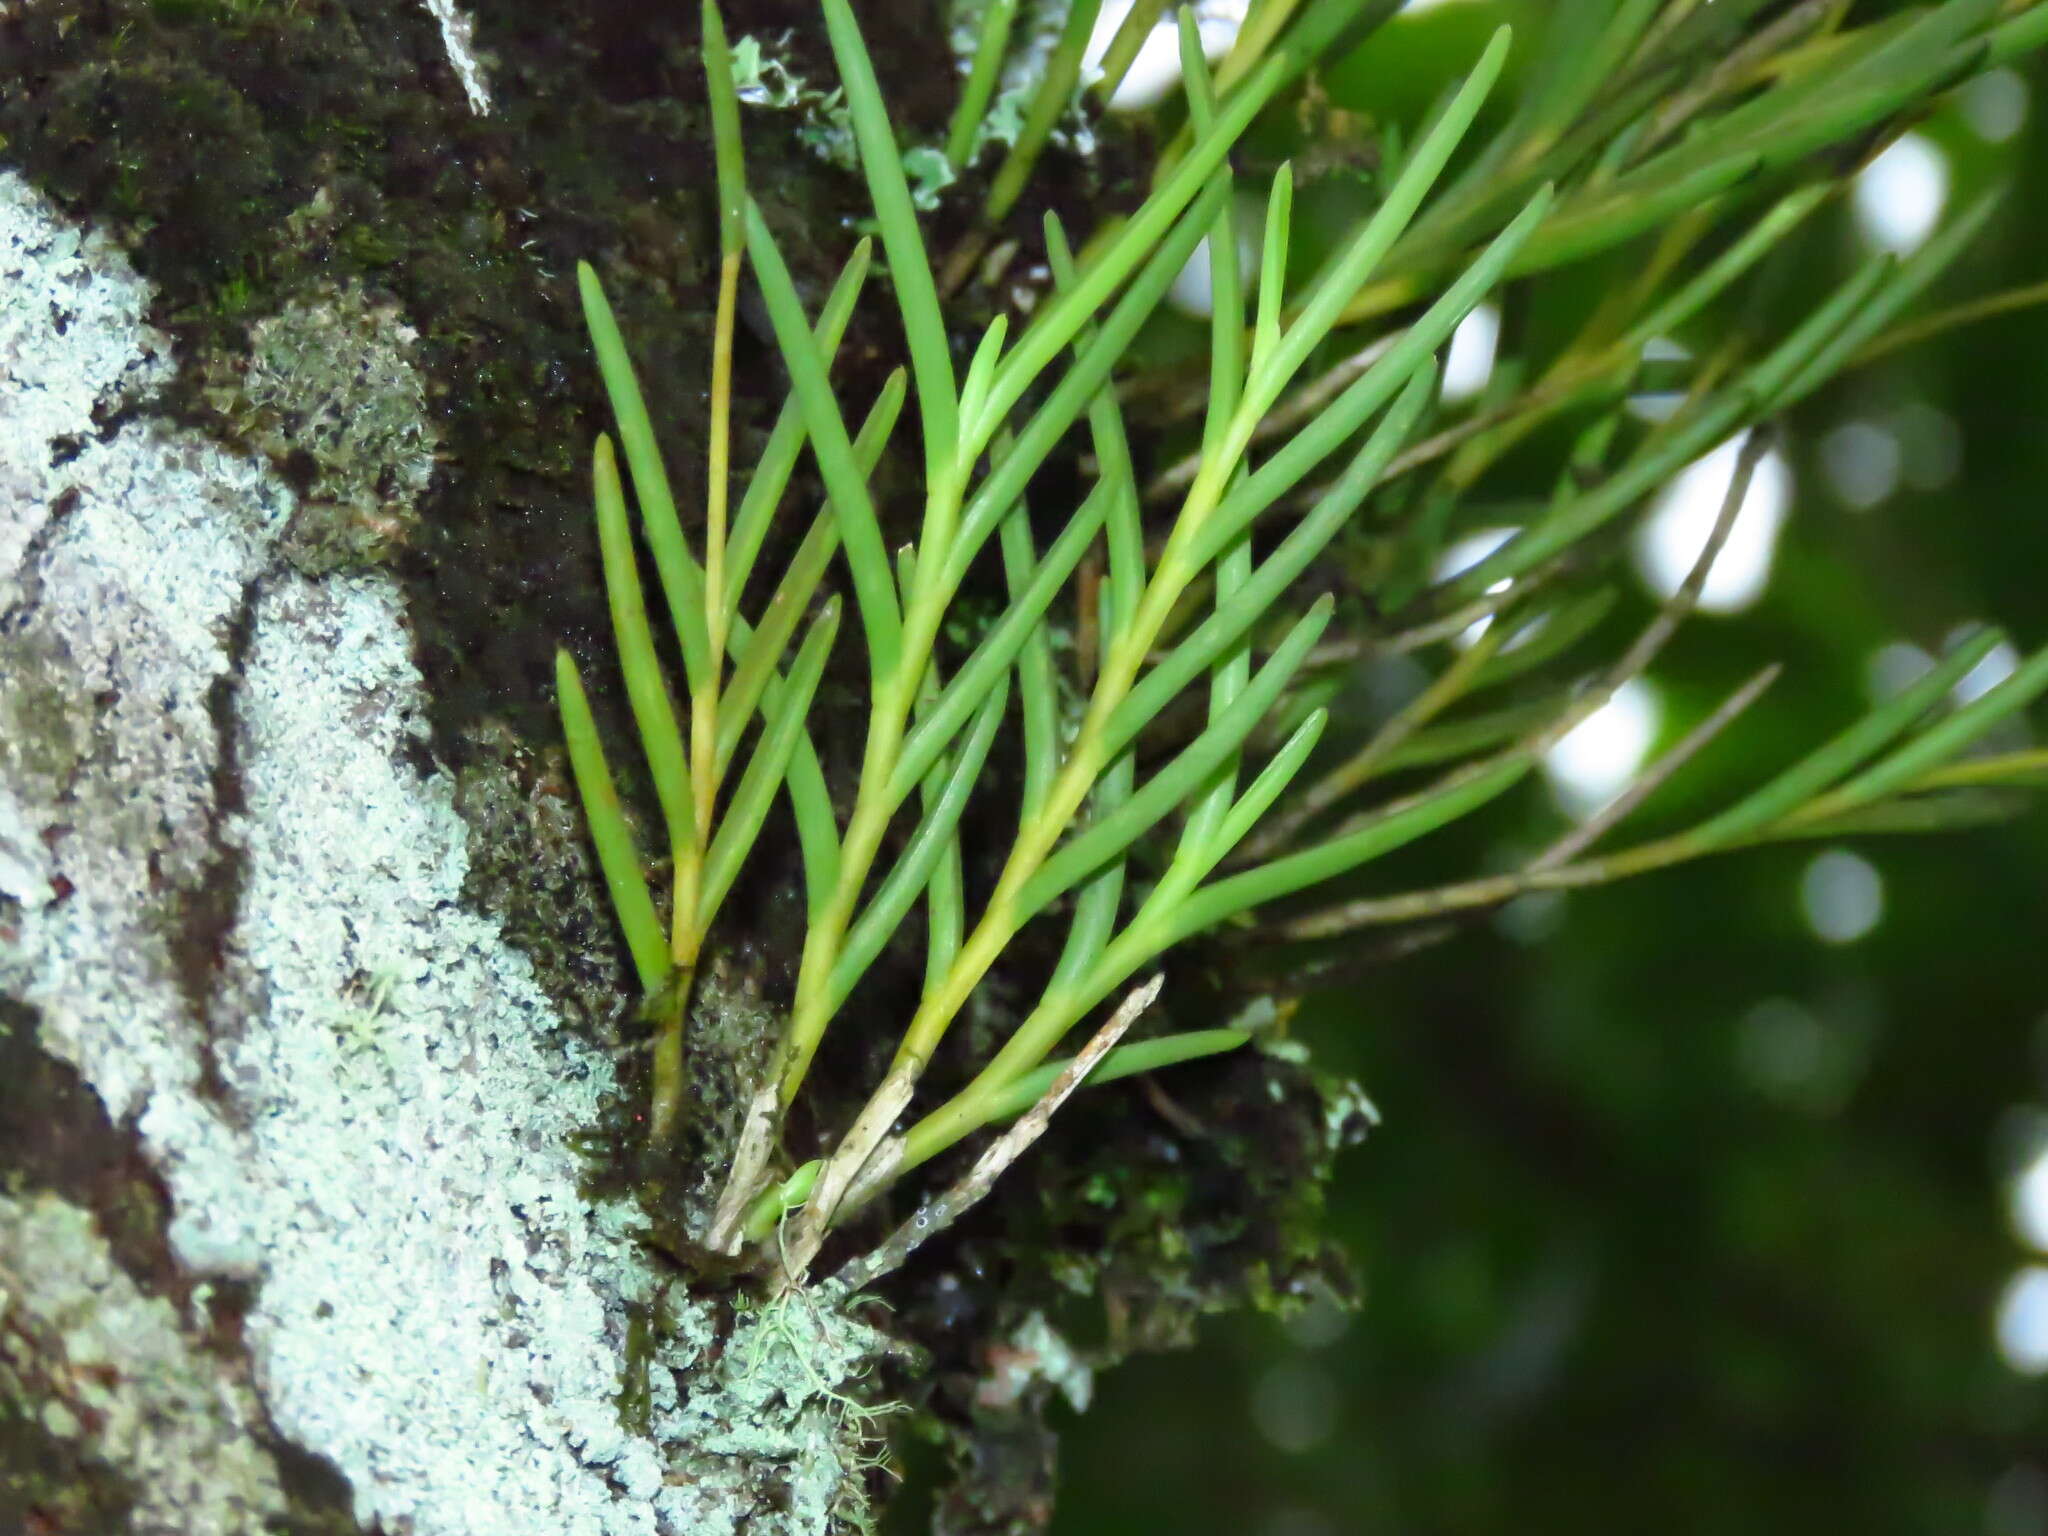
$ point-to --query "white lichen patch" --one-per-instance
(763, 79)
(114, 1359)
(230, 890)
(1035, 1352)
(458, 37)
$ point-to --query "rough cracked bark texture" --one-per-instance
(231, 898)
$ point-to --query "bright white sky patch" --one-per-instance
(2030, 1202)
(1190, 292)
(1999, 663)
(1461, 557)
(1995, 105)
(1842, 895)
(2022, 1321)
(1470, 363)
(1895, 667)
(1663, 404)
(1899, 195)
(1597, 758)
(1862, 460)
(1469, 551)
(1155, 72)
(1672, 537)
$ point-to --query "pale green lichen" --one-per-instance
(765, 80)
(1036, 35)
(330, 386)
(115, 1371)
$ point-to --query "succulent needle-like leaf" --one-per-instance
(1036, 689)
(618, 860)
(991, 41)
(725, 132)
(910, 269)
(741, 822)
(1940, 741)
(1844, 753)
(653, 712)
(874, 587)
(1124, 1061)
(757, 655)
(1172, 784)
(785, 442)
(682, 580)
(933, 837)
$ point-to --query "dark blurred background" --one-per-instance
(1715, 1201)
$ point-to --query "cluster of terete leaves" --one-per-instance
(1320, 407)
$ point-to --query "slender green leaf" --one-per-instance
(1135, 245)
(725, 131)
(1055, 89)
(1200, 650)
(1843, 753)
(1259, 795)
(653, 712)
(1077, 388)
(873, 587)
(1392, 827)
(757, 654)
(682, 581)
(993, 657)
(1745, 252)
(910, 268)
(990, 44)
(1687, 438)
(1131, 34)
(1904, 284)
(762, 653)
(1123, 527)
(1347, 274)
(817, 829)
(1273, 266)
(609, 833)
(1095, 908)
(913, 870)
(1232, 671)
(945, 898)
(974, 393)
(1124, 1061)
(778, 459)
(1336, 422)
(1035, 685)
(1944, 739)
(765, 770)
(1081, 855)
(1455, 739)
(1544, 636)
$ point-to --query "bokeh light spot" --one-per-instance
(1595, 761)
(1899, 196)
(1672, 537)
(1470, 363)
(2021, 1324)
(1842, 895)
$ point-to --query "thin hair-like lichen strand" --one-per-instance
(1201, 605)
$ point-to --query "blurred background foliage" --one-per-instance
(1701, 1202)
